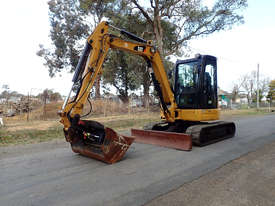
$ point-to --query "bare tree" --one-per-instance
(249, 85)
(263, 86)
(235, 92)
(248, 82)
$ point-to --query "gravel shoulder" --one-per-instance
(248, 180)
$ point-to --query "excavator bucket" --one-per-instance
(111, 150)
(174, 140)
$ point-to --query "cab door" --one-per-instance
(208, 86)
(186, 83)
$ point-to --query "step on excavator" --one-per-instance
(189, 108)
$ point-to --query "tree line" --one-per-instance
(45, 95)
(171, 24)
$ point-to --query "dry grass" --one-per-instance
(114, 121)
(42, 113)
(23, 132)
(107, 107)
(101, 107)
(127, 121)
(29, 136)
(37, 125)
(244, 112)
(20, 131)
(104, 111)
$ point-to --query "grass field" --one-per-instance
(27, 132)
(20, 131)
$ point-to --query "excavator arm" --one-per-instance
(90, 65)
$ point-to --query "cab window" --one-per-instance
(187, 83)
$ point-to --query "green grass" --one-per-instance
(29, 136)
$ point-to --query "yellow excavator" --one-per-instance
(189, 110)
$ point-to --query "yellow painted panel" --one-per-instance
(198, 114)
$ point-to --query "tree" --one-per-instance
(55, 96)
(69, 28)
(271, 91)
(48, 95)
(238, 85)
(96, 9)
(120, 75)
(235, 92)
(45, 95)
(263, 89)
(191, 19)
(249, 84)
(171, 24)
(124, 17)
(6, 94)
(123, 70)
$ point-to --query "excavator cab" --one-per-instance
(195, 85)
(196, 115)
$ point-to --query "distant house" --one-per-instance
(12, 99)
(224, 98)
(137, 102)
(241, 99)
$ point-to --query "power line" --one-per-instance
(196, 50)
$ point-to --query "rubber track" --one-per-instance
(205, 134)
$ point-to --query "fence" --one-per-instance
(263, 105)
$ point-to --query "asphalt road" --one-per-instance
(50, 174)
(245, 181)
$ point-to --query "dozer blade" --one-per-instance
(110, 151)
(174, 140)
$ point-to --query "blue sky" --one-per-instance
(260, 14)
(240, 49)
(24, 25)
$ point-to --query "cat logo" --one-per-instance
(139, 48)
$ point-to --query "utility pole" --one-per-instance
(258, 106)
